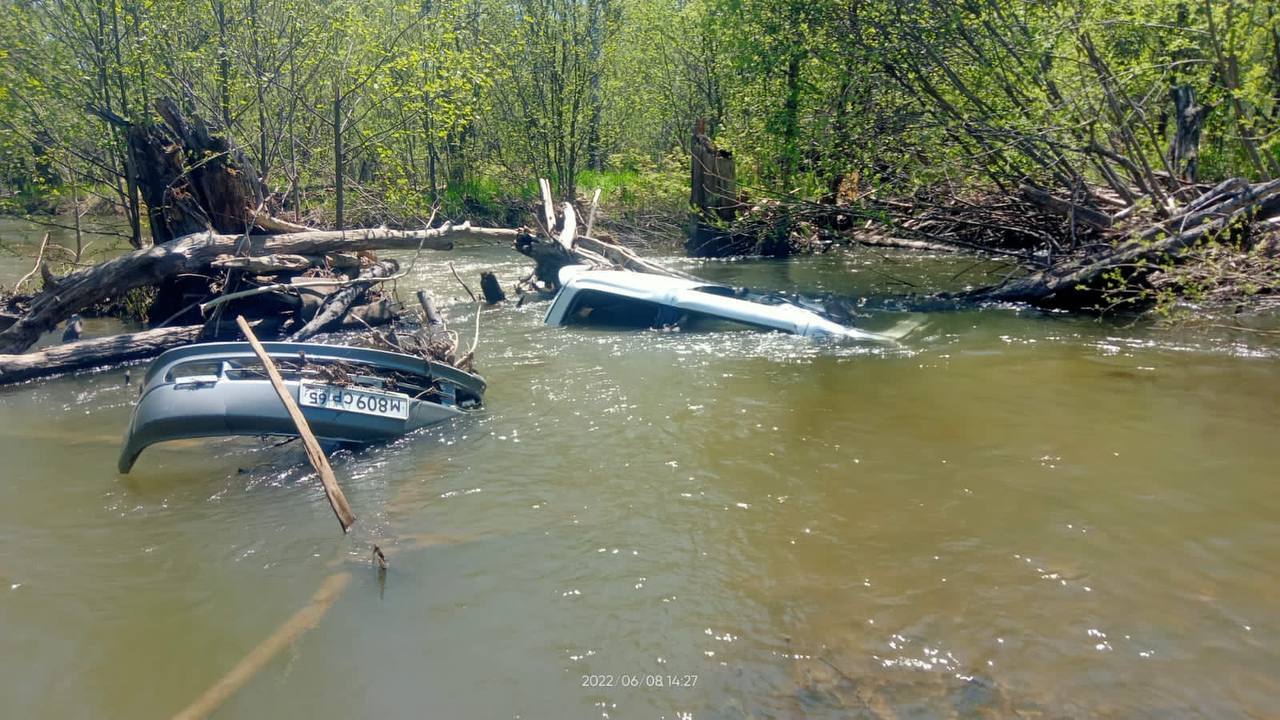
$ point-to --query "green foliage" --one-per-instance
(464, 102)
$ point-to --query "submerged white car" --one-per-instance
(624, 299)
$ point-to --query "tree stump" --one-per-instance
(192, 179)
(1184, 150)
(713, 194)
(491, 288)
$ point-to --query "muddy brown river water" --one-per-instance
(1014, 514)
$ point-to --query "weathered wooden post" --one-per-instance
(1184, 151)
(713, 194)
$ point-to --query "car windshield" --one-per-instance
(602, 309)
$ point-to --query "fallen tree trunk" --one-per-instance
(1219, 201)
(274, 224)
(84, 354)
(336, 305)
(362, 317)
(285, 263)
(196, 253)
(1163, 240)
(888, 241)
(117, 349)
(1044, 199)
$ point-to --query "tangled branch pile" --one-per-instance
(231, 259)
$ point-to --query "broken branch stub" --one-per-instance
(491, 289)
(548, 205)
(569, 231)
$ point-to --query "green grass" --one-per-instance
(639, 186)
(488, 198)
(610, 182)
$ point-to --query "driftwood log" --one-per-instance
(1080, 213)
(433, 322)
(60, 359)
(130, 347)
(196, 253)
(335, 306)
(285, 263)
(434, 340)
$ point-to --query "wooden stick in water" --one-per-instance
(462, 282)
(293, 628)
(337, 500)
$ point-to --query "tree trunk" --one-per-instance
(60, 359)
(1184, 151)
(337, 157)
(595, 154)
(712, 179)
(791, 121)
(191, 179)
(224, 64)
(713, 193)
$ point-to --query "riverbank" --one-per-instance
(1231, 268)
(1216, 250)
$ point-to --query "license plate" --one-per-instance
(351, 399)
